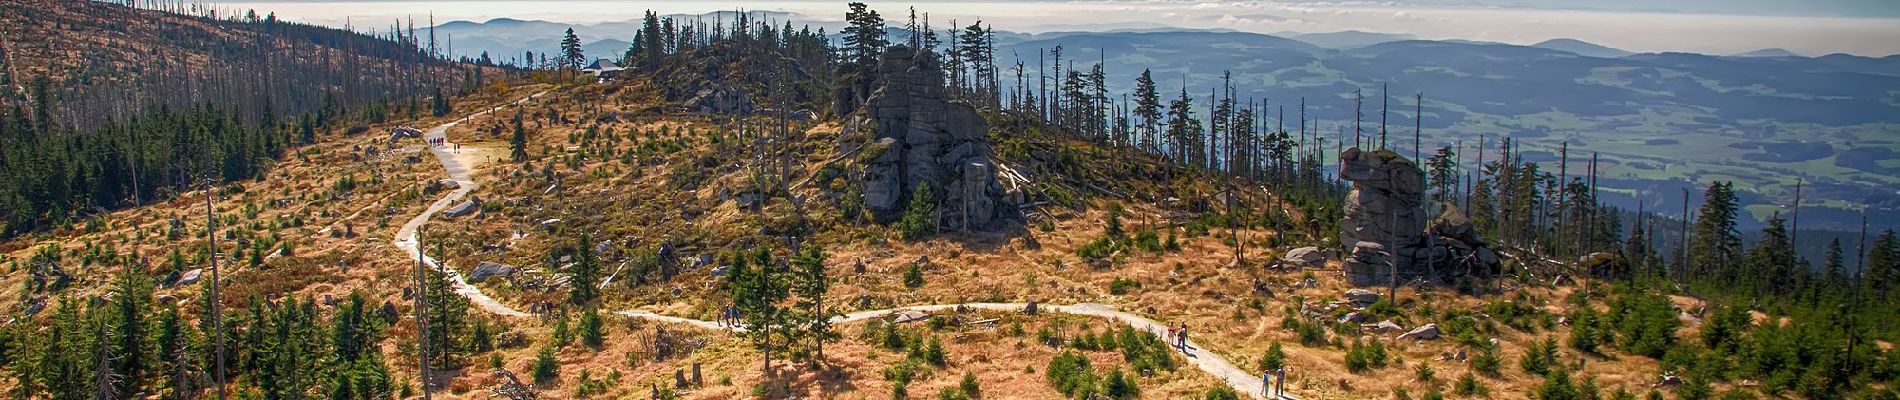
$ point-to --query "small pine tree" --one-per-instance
(518, 143)
(1538, 358)
(969, 385)
(1119, 385)
(584, 284)
(593, 333)
(914, 277)
(1275, 358)
(1469, 386)
(919, 219)
(547, 370)
(560, 334)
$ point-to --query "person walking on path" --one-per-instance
(1266, 384)
(1182, 339)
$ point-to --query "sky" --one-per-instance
(1808, 27)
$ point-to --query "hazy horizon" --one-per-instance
(1830, 29)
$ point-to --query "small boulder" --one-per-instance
(460, 210)
(1427, 332)
(1362, 296)
(1305, 257)
(487, 270)
(1386, 326)
(908, 316)
(191, 277)
(1354, 318)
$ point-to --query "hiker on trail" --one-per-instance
(1266, 384)
(1173, 334)
(1183, 338)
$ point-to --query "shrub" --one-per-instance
(1100, 248)
(1119, 386)
(1557, 386)
(1311, 334)
(1121, 286)
(547, 370)
(969, 387)
(1275, 358)
(914, 277)
(1221, 393)
(1071, 375)
(560, 334)
(1584, 330)
(933, 352)
(1469, 386)
(1148, 239)
(1538, 358)
(1424, 372)
(1487, 361)
(1357, 361)
(1645, 322)
(593, 333)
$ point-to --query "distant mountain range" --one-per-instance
(1662, 122)
(1582, 48)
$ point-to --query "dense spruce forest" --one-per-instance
(108, 106)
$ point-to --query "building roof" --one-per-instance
(602, 65)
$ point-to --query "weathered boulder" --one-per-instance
(1305, 257)
(486, 270)
(908, 316)
(1426, 332)
(190, 277)
(1361, 296)
(1355, 317)
(464, 209)
(1386, 326)
(922, 138)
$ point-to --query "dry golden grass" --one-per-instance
(637, 206)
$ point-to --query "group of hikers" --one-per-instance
(1178, 336)
(729, 316)
(442, 141)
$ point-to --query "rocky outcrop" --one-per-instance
(923, 138)
(721, 100)
(1385, 224)
(1384, 207)
(1453, 247)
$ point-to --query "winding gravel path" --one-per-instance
(1241, 380)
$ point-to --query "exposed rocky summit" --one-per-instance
(923, 138)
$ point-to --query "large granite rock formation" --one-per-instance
(923, 138)
(1385, 224)
(1453, 247)
(1384, 207)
